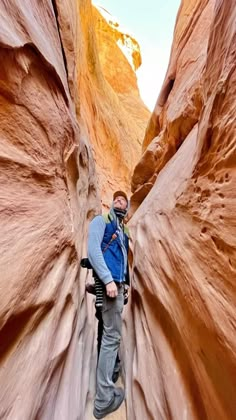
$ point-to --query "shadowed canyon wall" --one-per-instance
(181, 355)
(44, 168)
(56, 107)
(71, 128)
(180, 101)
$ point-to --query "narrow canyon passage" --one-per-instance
(73, 128)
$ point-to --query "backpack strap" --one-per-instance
(107, 218)
(126, 231)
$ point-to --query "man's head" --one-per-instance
(120, 200)
(120, 203)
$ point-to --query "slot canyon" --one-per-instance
(73, 129)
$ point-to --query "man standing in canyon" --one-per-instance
(107, 252)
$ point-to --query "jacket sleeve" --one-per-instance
(95, 236)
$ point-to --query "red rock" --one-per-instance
(112, 116)
(42, 221)
(180, 101)
(55, 103)
(180, 337)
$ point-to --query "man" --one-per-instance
(107, 253)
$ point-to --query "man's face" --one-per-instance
(120, 202)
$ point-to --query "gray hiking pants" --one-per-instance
(112, 323)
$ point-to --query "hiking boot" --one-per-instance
(116, 402)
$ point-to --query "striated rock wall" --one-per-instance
(180, 341)
(57, 112)
(180, 101)
(113, 118)
(42, 171)
(60, 105)
(117, 46)
(120, 57)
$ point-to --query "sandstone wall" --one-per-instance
(180, 101)
(57, 112)
(61, 107)
(44, 166)
(114, 119)
(181, 351)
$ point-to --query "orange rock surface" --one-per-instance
(113, 117)
(180, 101)
(70, 132)
(55, 107)
(39, 210)
(45, 166)
(180, 341)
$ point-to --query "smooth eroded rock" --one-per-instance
(180, 332)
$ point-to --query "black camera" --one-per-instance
(85, 263)
(98, 286)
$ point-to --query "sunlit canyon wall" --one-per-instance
(71, 129)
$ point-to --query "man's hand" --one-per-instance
(111, 289)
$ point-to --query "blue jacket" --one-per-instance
(108, 256)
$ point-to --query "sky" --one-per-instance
(151, 22)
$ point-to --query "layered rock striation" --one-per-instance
(112, 113)
(180, 101)
(43, 169)
(71, 124)
(180, 333)
(57, 112)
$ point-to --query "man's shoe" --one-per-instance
(119, 396)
